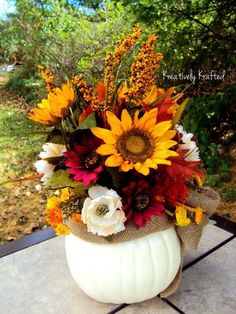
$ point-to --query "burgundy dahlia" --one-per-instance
(83, 161)
(141, 202)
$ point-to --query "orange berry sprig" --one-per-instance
(109, 78)
(125, 45)
(114, 60)
(143, 70)
(48, 78)
(87, 91)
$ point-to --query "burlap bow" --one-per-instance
(190, 235)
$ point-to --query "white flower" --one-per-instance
(191, 146)
(43, 166)
(52, 150)
(101, 211)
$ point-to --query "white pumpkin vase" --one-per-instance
(126, 272)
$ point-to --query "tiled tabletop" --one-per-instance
(37, 280)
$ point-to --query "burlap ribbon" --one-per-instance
(189, 236)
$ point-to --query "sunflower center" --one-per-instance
(102, 210)
(141, 202)
(92, 161)
(135, 145)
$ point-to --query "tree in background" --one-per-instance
(91, 4)
(192, 35)
(61, 35)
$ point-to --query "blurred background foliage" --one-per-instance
(72, 37)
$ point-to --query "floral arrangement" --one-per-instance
(117, 151)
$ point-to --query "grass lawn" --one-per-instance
(22, 207)
(17, 148)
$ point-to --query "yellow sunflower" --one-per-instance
(51, 110)
(139, 144)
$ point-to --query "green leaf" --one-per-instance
(179, 112)
(118, 178)
(89, 122)
(57, 139)
(61, 178)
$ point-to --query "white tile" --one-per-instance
(209, 286)
(211, 237)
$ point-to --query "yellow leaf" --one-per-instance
(181, 216)
(179, 112)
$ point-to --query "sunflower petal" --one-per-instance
(162, 161)
(136, 116)
(126, 166)
(141, 168)
(137, 166)
(126, 120)
(68, 92)
(151, 96)
(51, 110)
(165, 144)
(161, 128)
(145, 118)
(164, 154)
(113, 161)
(106, 135)
(150, 123)
(168, 135)
(106, 149)
(115, 123)
(150, 163)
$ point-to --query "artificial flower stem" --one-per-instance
(80, 99)
(116, 91)
(63, 133)
(36, 177)
(73, 118)
(116, 88)
(182, 91)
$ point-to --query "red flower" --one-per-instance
(84, 163)
(171, 187)
(140, 202)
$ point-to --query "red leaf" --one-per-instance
(181, 166)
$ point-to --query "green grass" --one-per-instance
(229, 194)
(17, 149)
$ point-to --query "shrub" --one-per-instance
(26, 83)
(213, 119)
